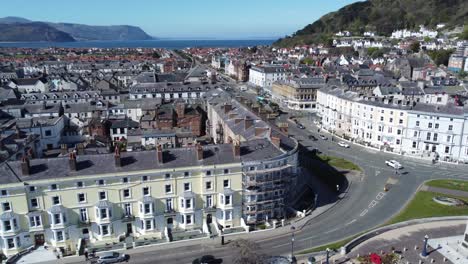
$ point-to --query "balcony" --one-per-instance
(211, 208)
(128, 218)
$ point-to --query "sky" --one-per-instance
(221, 19)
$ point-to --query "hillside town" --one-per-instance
(126, 147)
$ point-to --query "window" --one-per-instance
(79, 184)
(6, 206)
(35, 221)
(4, 192)
(103, 213)
(399, 132)
(429, 125)
(228, 215)
(128, 209)
(83, 214)
(169, 206)
(149, 224)
(226, 171)
(398, 142)
(168, 188)
(144, 178)
(147, 208)
(167, 176)
(188, 219)
(7, 225)
(209, 201)
(146, 191)
(53, 186)
(102, 195)
(428, 137)
(10, 243)
(435, 137)
(400, 121)
(449, 138)
(186, 174)
(188, 203)
(32, 188)
(100, 182)
(436, 126)
(391, 120)
(414, 144)
(381, 118)
(227, 199)
(450, 128)
(208, 173)
(125, 180)
(208, 185)
(226, 183)
(55, 200)
(251, 168)
(415, 133)
(447, 149)
(417, 123)
(34, 203)
(126, 193)
(105, 230)
(186, 186)
(57, 219)
(81, 198)
(48, 133)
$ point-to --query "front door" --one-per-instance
(209, 219)
(129, 228)
(39, 239)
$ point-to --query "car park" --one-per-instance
(394, 164)
(343, 144)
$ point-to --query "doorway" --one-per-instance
(39, 239)
(209, 219)
(129, 229)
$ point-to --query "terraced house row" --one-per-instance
(104, 198)
(431, 126)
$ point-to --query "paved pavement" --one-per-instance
(409, 241)
(365, 207)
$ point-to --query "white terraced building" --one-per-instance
(433, 131)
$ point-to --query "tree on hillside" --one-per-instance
(464, 34)
(415, 47)
(440, 56)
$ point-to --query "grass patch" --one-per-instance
(339, 162)
(449, 184)
(422, 206)
(334, 245)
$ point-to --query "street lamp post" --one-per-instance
(292, 243)
(424, 250)
(328, 256)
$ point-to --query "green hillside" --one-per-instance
(382, 17)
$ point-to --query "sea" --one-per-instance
(160, 43)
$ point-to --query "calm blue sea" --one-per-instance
(168, 44)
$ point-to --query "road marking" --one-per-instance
(307, 238)
(364, 212)
(332, 230)
(352, 221)
(282, 245)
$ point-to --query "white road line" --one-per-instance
(332, 230)
(352, 221)
(282, 245)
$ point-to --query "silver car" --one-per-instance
(112, 257)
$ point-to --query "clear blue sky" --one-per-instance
(182, 18)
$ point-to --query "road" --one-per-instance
(365, 207)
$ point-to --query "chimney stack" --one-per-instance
(199, 150)
(260, 130)
(276, 141)
(180, 110)
(227, 108)
(63, 149)
(118, 160)
(72, 161)
(159, 154)
(25, 168)
(80, 149)
(236, 149)
(248, 122)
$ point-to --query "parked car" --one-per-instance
(112, 257)
(300, 126)
(207, 259)
(312, 137)
(394, 164)
(323, 137)
(343, 144)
